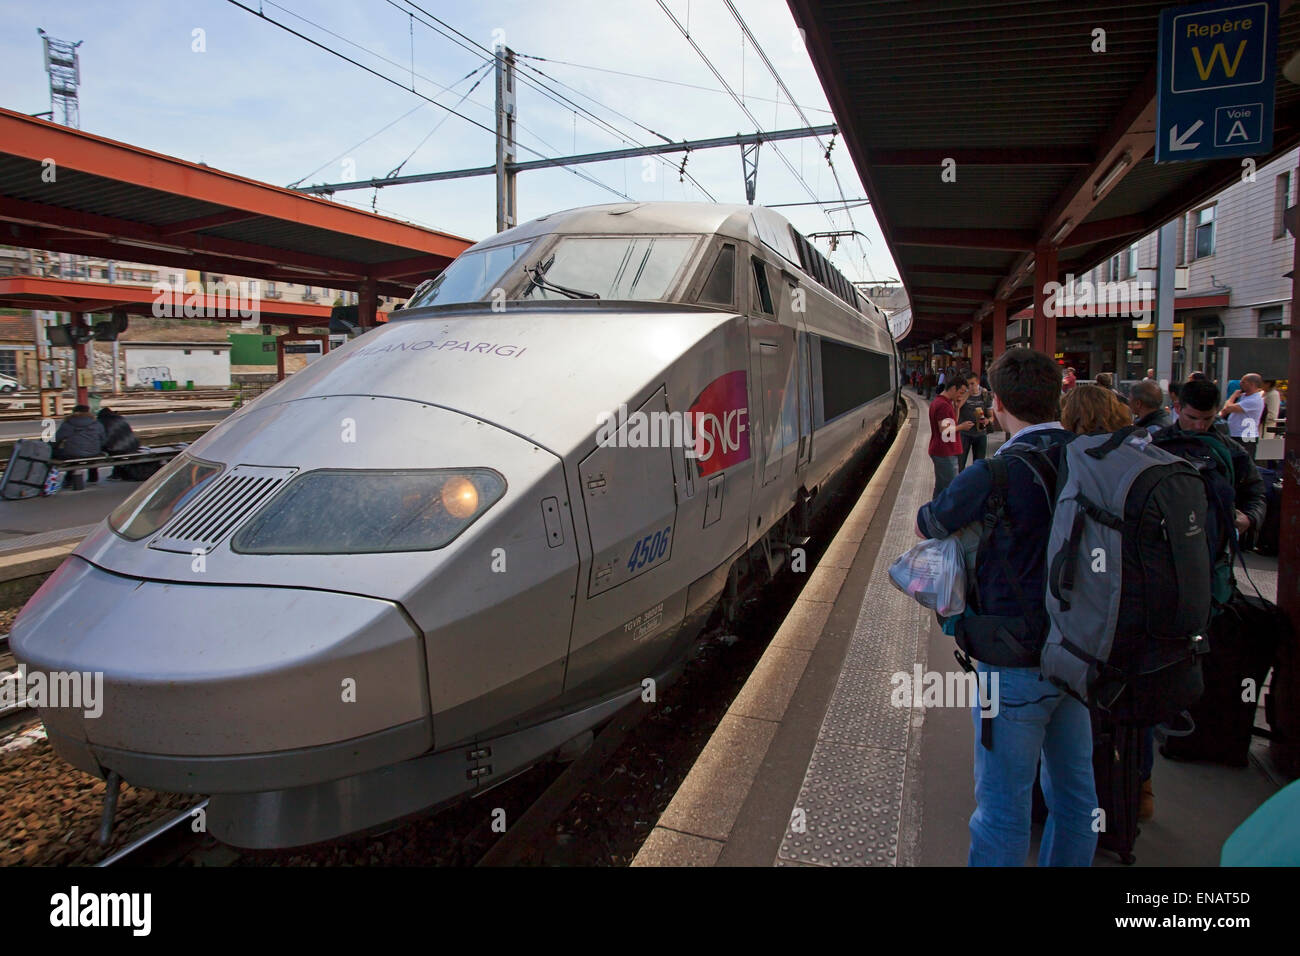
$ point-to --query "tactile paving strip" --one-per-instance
(850, 803)
(852, 794)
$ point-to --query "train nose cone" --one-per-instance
(224, 688)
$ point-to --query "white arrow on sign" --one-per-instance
(1180, 142)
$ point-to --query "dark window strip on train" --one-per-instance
(851, 377)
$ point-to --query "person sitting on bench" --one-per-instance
(80, 436)
(119, 439)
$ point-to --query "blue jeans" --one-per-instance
(945, 470)
(1033, 718)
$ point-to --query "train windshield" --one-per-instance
(610, 267)
(470, 277)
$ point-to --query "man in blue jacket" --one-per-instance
(1033, 717)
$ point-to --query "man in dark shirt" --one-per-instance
(1147, 404)
(1033, 718)
(975, 410)
(945, 446)
(1196, 408)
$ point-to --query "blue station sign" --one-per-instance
(1214, 94)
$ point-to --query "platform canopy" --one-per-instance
(68, 191)
(1052, 140)
(69, 295)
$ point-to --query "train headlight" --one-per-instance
(171, 488)
(459, 497)
(360, 512)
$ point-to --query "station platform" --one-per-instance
(813, 766)
(36, 534)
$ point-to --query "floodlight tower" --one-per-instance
(64, 66)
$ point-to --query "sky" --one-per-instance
(210, 82)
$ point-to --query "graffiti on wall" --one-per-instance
(153, 373)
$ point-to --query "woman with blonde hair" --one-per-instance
(1091, 409)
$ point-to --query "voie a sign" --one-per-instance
(1216, 75)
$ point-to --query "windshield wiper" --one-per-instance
(537, 278)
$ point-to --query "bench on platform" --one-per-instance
(76, 466)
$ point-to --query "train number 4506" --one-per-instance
(649, 549)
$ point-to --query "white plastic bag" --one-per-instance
(934, 573)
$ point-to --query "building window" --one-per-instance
(1204, 241)
(1113, 269)
(1270, 322)
(1130, 266)
(1281, 202)
(9, 364)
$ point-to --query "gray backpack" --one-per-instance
(1128, 578)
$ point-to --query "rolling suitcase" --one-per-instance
(24, 476)
(1243, 644)
(1117, 768)
(1266, 542)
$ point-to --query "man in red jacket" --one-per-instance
(945, 432)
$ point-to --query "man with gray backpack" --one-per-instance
(1009, 496)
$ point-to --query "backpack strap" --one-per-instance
(995, 512)
(1109, 445)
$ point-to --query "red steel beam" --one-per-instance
(1043, 156)
(67, 295)
(1102, 229)
(941, 269)
(942, 292)
(38, 140)
(40, 215)
(207, 222)
(1010, 239)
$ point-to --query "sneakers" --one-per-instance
(1146, 801)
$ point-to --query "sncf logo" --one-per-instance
(720, 416)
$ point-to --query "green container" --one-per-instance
(189, 385)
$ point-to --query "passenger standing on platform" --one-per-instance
(1146, 403)
(1272, 412)
(1272, 406)
(945, 446)
(974, 443)
(1092, 409)
(1244, 409)
(1033, 718)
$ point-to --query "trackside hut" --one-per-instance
(203, 363)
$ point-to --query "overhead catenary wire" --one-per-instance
(802, 116)
(384, 129)
(657, 79)
(257, 13)
(758, 127)
(465, 42)
(438, 125)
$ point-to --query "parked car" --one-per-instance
(9, 384)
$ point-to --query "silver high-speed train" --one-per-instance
(452, 546)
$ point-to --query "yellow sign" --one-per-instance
(1149, 330)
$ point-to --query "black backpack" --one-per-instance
(1212, 459)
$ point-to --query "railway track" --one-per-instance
(166, 842)
(15, 713)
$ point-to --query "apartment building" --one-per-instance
(1237, 253)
